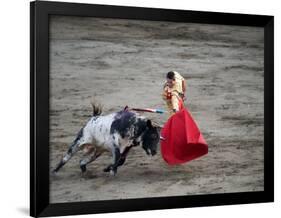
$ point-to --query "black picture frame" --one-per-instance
(39, 108)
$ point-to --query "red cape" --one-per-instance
(182, 140)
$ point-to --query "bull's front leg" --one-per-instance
(121, 160)
(116, 157)
(124, 155)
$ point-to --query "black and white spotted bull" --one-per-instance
(117, 133)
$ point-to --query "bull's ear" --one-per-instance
(149, 124)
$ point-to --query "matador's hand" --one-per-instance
(182, 95)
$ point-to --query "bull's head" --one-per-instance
(150, 139)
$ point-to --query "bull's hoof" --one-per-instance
(107, 169)
(112, 172)
(83, 168)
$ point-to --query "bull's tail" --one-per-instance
(97, 108)
(73, 148)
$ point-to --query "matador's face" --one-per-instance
(170, 82)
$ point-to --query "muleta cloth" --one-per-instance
(181, 140)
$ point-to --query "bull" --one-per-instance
(117, 133)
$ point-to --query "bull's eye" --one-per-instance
(154, 136)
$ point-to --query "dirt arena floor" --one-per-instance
(124, 62)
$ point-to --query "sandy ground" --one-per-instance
(123, 62)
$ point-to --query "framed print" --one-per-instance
(141, 109)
